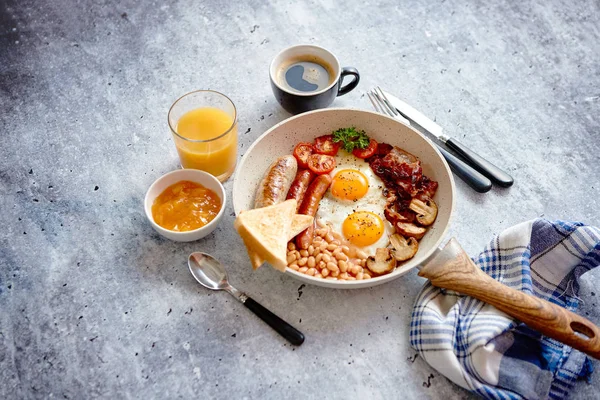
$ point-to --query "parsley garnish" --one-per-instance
(351, 138)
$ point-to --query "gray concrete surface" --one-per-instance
(94, 304)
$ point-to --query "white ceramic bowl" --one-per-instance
(281, 139)
(194, 175)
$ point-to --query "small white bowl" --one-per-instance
(203, 178)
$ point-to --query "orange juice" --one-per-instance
(207, 141)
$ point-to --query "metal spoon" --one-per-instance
(212, 275)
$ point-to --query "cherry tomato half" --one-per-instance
(302, 151)
(321, 163)
(368, 152)
(325, 145)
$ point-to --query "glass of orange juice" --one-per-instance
(204, 127)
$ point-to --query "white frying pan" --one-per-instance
(449, 267)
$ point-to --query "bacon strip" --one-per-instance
(402, 174)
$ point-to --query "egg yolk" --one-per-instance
(363, 228)
(349, 184)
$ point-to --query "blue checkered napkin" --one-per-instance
(487, 352)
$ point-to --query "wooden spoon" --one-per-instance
(451, 268)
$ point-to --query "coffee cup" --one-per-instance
(308, 77)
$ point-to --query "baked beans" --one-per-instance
(327, 258)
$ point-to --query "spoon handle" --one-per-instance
(291, 334)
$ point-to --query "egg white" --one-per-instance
(334, 211)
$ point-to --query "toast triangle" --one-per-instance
(299, 223)
(265, 231)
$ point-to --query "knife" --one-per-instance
(497, 175)
(464, 171)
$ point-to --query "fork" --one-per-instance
(469, 175)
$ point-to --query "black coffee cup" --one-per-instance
(298, 76)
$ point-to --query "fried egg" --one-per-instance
(354, 205)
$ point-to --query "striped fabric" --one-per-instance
(489, 353)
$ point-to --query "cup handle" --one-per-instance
(350, 85)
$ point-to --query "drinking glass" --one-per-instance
(204, 128)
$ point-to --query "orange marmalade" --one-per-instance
(185, 206)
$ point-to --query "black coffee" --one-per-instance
(305, 75)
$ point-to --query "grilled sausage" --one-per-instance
(300, 186)
(310, 205)
(276, 182)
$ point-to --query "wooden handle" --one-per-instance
(453, 269)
